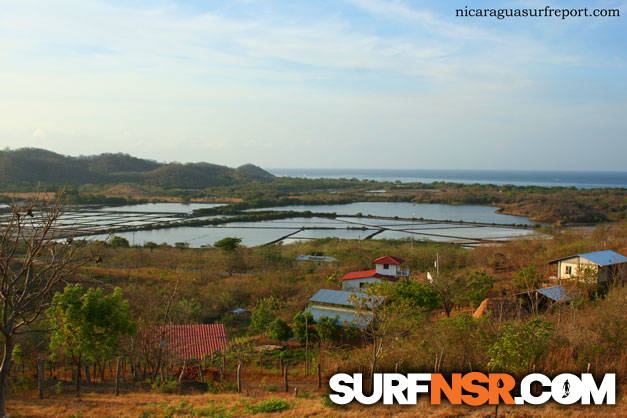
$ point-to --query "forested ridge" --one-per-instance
(28, 167)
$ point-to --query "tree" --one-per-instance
(119, 242)
(150, 245)
(327, 329)
(88, 325)
(477, 286)
(302, 327)
(279, 330)
(418, 295)
(518, 347)
(228, 244)
(380, 322)
(32, 262)
(449, 287)
(264, 314)
(526, 280)
(455, 288)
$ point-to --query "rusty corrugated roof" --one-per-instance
(194, 341)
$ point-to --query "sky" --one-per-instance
(316, 84)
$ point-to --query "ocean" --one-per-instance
(578, 179)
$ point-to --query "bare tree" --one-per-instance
(32, 262)
(380, 322)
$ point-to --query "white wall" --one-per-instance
(357, 284)
(575, 264)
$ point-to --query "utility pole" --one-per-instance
(437, 265)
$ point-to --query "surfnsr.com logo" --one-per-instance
(474, 389)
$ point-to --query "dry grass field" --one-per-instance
(146, 404)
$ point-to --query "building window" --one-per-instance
(386, 266)
(568, 270)
(362, 285)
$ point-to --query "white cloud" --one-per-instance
(168, 84)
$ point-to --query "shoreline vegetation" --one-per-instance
(120, 179)
(206, 285)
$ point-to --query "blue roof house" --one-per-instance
(599, 266)
(340, 304)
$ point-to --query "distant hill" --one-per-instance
(32, 166)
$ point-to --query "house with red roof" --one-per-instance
(385, 268)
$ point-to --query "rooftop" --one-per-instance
(601, 258)
(337, 297)
(389, 260)
(556, 293)
(364, 274)
(194, 341)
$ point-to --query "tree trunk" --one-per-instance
(78, 378)
(40, 377)
(117, 376)
(5, 370)
(285, 378)
(373, 365)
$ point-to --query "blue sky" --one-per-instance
(345, 83)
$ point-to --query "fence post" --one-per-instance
(117, 377)
(239, 377)
(285, 378)
(319, 375)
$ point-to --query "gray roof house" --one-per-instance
(340, 304)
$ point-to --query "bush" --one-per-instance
(169, 386)
(268, 406)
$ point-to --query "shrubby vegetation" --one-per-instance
(413, 331)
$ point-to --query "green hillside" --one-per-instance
(28, 167)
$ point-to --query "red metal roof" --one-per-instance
(366, 274)
(388, 260)
(194, 341)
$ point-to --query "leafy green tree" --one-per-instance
(151, 245)
(88, 325)
(417, 295)
(477, 286)
(327, 329)
(302, 327)
(228, 244)
(518, 347)
(264, 314)
(119, 242)
(279, 330)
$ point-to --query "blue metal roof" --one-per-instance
(340, 297)
(239, 311)
(344, 316)
(604, 258)
(320, 258)
(557, 293)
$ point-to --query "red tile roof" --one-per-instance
(366, 274)
(194, 341)
(388, 260)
